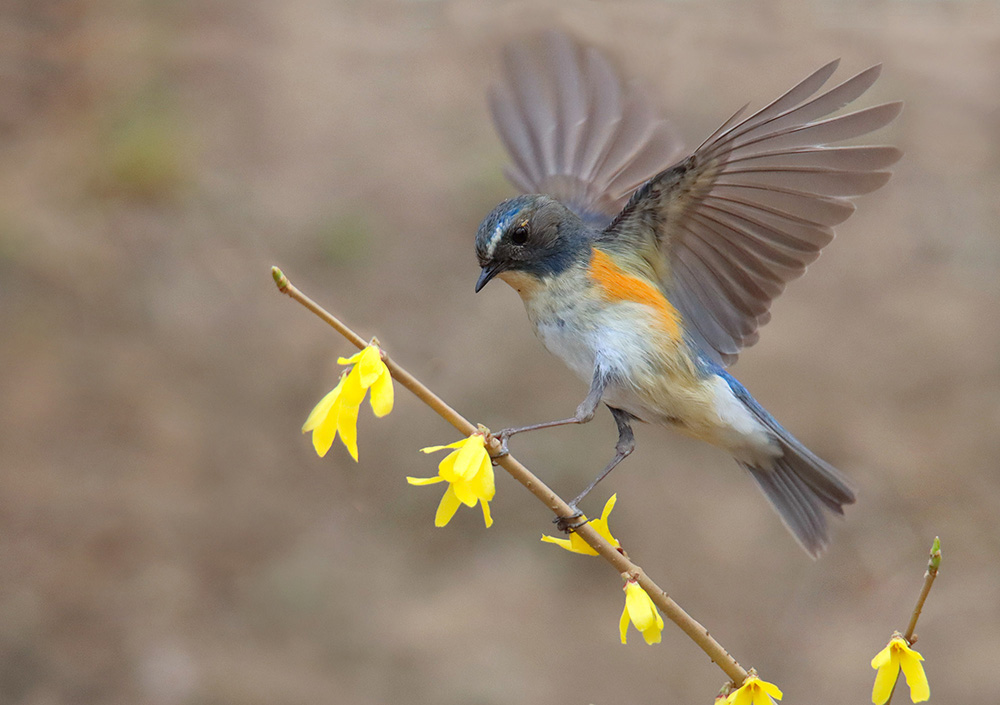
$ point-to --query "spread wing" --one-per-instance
(573, 131)
(754, 205)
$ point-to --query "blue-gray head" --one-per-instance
(533, 234)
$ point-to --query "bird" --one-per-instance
(647, 270)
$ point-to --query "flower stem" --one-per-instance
(550, 499)
(933, 564)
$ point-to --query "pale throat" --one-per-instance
(527, 285)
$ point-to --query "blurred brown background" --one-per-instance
(168, 537)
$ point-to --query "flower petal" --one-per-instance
(487, 516)
(882, 657)
(920, 690)
(347, 425)
(447, 508)
(885, 680)
(601, 527)
(562, 543)
(608, 506)
(434, 449)
(424, 480)
(469, 457)
(741, 696)
(322, 409)
(463, 490)
(484, 483)
(652, 635)
(759, 696)
(640, 608)
(623, 623)
(446, 468)
(324, 434)
(370, 366)
(904, 650)
(353, 393)
(770, 688)
(326, 428)
(350, 360)
(579, 545)
(381, 394)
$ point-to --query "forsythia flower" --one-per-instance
(640, 610)
(577, 545)
(754, 691)
(888, 662)
(338, 410)
(468, 470)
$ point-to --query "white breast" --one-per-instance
(588, 334)
(591, 336)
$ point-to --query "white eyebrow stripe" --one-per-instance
(491, 246)
(498, 232)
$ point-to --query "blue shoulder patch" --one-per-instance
(744, 396)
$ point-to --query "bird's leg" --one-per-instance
(584, 413)
(624, 448)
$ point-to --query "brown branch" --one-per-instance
(933, 564)
(550, 499)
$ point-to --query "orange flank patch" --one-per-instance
(619, 285)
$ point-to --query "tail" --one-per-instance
(801, 486)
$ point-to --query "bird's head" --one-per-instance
(529, 236)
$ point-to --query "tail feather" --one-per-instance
(801, 486)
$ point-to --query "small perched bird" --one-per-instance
(647, 271)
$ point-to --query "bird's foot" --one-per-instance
(569, 524)
(502, 437)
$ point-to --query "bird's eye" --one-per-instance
(519, 235)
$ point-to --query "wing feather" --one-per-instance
(759, 269)
(573, 131)
(736, 221)
(790, 203)
(843, 158)
(741, 287)
(835, 129)
(828, 102)
(803, 90)
(755, 204)
(714, 331)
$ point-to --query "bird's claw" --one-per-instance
(569, 524)
(502, 436)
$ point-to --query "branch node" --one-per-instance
(280, 279)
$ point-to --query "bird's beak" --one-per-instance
(489, 271)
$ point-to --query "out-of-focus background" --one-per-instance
(168, 537)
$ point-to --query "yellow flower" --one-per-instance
(888, 661)
(337, 412)
(640, 610)
(754, 691)
(468, 471)
(577, 545)
(372, 374)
